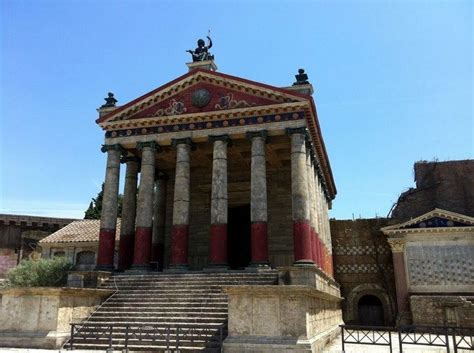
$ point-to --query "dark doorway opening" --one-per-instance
(238, 237)
(370, 311)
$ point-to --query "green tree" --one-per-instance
(95, 207)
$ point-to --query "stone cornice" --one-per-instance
(428, 230)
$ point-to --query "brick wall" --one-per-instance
(445, 185)
(363, 265)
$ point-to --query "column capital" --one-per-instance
(261, 133)
(225, 138)
(115, 147)
(126, 159)
(296, 130)
(185, 141)
(151, 144)
(396, 244)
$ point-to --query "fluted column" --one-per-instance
(310, 199)
(218, 237)
(180, 230)
(108, 216)
(258, 200)
(143, 233)
(129, 208)
(299, 198)
(159, 220)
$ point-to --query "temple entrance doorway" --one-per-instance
(238, 237)
(370, 311)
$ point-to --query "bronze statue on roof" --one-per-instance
(201, 53)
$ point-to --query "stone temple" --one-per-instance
(233, 174)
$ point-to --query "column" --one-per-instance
(129, 207)
(299, 198)
(143, 233)
(108, 216)
(218, 237)
(310, 199)
(397, 245)
(258, 200)
(159, 219)
(314, 210)
(180, 230)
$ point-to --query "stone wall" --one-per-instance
(363, 265)
(444, 185)
(440, 310)
(39, 317)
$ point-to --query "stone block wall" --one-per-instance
(363, 265)
(8, 260)
(440, 310)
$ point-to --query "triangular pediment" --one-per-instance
(437, 218)
(202, 91)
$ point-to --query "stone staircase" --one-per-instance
(164, 311)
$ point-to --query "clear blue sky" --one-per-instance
(393, 79)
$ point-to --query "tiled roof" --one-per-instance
(86, 230)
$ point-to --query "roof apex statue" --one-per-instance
(110, 101)
(201, 53)
(301, 78)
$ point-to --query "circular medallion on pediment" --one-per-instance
(201, 98)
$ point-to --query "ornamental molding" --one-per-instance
(401, 228)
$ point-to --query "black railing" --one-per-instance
(438, 336)
(171, 337)
(373, 335)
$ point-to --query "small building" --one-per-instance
(19, 236)
(78, 242)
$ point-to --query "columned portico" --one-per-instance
(159, 220)
(219, 202)
(129, 204)
(258, 199)
(180, 230)
(108, 217)
(143, 234)
(299, 198)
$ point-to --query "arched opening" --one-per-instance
(370, 311)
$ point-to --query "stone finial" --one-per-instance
(110, 101)
(301, 78)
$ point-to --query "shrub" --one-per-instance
(40, 273)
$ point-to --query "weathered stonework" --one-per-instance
(40, 317)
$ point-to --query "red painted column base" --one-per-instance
(218, 245)
(314, 255)
(318, 251)
(179, 245)
(259, 243)
(142, 253)
(302, 242)
(125, 255)
(105, 255)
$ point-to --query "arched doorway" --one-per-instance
(370, 311)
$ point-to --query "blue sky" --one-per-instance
(393, 80)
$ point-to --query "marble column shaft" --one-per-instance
(180, 230)
(159, 220)
(299, 198)
(258, 199)
(129, 208)
(310, 199)
(108, 217)
(218, 238)
(144, 220)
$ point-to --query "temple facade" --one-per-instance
(220, 173)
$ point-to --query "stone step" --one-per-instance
(165, 323)
(155, 303)
(166, 305)
(153, 320)
(192, 309)
(181, 285)
(161, 313)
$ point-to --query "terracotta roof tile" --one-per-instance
(86, 230)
